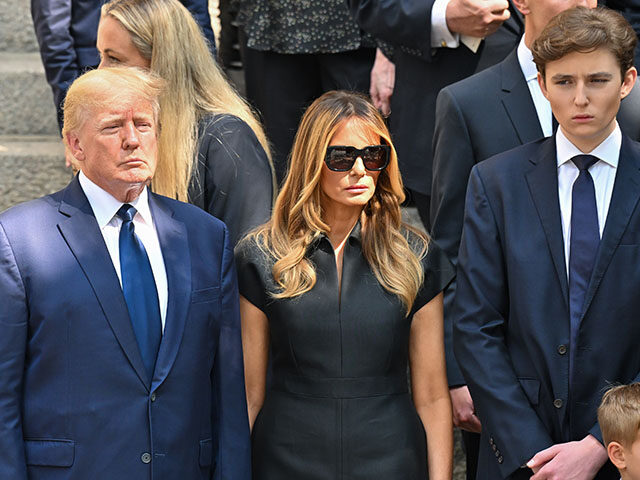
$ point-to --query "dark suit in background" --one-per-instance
(66, 31)
(76, 400)
(511, 330)
(421, 72)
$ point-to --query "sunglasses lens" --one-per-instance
(340, 159)
(375, 157)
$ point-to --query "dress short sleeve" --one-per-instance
(254, 273)
(438, 273)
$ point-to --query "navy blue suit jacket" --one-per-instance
(75, 399)
(511, 316)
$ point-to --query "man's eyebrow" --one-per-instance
(562, 76)
(601, 74)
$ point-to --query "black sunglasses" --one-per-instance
(341, 158)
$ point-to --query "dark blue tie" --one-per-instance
(585, 239)
(139, 288)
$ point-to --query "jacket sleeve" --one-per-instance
(452, 162)
(200, 11)
(233, 456)
(238, 183)
(52, 22)
(13, 338)
(480, 319)
(400, 22)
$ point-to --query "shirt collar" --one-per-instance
(608, 151)
(525, 59)
(105, 206)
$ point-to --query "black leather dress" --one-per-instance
(338, 406)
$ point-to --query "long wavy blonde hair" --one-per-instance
(165, 33)
(392, 248)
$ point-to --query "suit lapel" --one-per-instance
(543, 185)
(82, 234)
(624, 198)
(174, 242)
(517, 101)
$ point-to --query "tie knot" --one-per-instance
(126, 212)
(584, 162)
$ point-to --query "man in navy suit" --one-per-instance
(120, 346)
(488, 113)
(545, 314)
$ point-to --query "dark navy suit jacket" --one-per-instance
(483, 115)
(511, 316)
(75, 399)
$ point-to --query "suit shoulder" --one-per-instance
(193, 216)
(26, 213)
(511, 161)
(467, 90)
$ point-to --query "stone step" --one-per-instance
(16, 27)
(26, 101)
(30, 167)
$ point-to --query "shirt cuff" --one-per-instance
(441, 37)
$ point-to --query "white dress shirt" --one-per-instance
(441, 36)
(104, 207)
(530, 72)
(603, 173)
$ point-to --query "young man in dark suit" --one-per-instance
(119, 318)
(545, 311)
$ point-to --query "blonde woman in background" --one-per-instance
(212, 149)
(344, 296)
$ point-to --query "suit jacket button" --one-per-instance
(557, 403)
(153, 397)
(494, 447)
(497, 453)
(500, 459)
(562, 349)
(145, 457)
(491, 441)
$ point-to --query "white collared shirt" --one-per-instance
(441, 36)
(530, 72)
(603, 173)
(104, 207)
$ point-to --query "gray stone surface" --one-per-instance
(30, 167)
(16, 27)
(26, 101)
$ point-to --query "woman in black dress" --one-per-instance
(344, 296)
(212, 151)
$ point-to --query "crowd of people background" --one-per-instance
(133, 343)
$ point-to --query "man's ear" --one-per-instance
(523, 6)
(75, 146)
(616, 455)
(628, 82)
(543, 85)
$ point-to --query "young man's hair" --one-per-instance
(619, 414)
(584, 30)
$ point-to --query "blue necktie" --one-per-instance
(585, 239)
(139, 288)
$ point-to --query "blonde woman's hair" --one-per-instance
(392, 248)
(165, 33)
(619, 414)
(98, 89)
